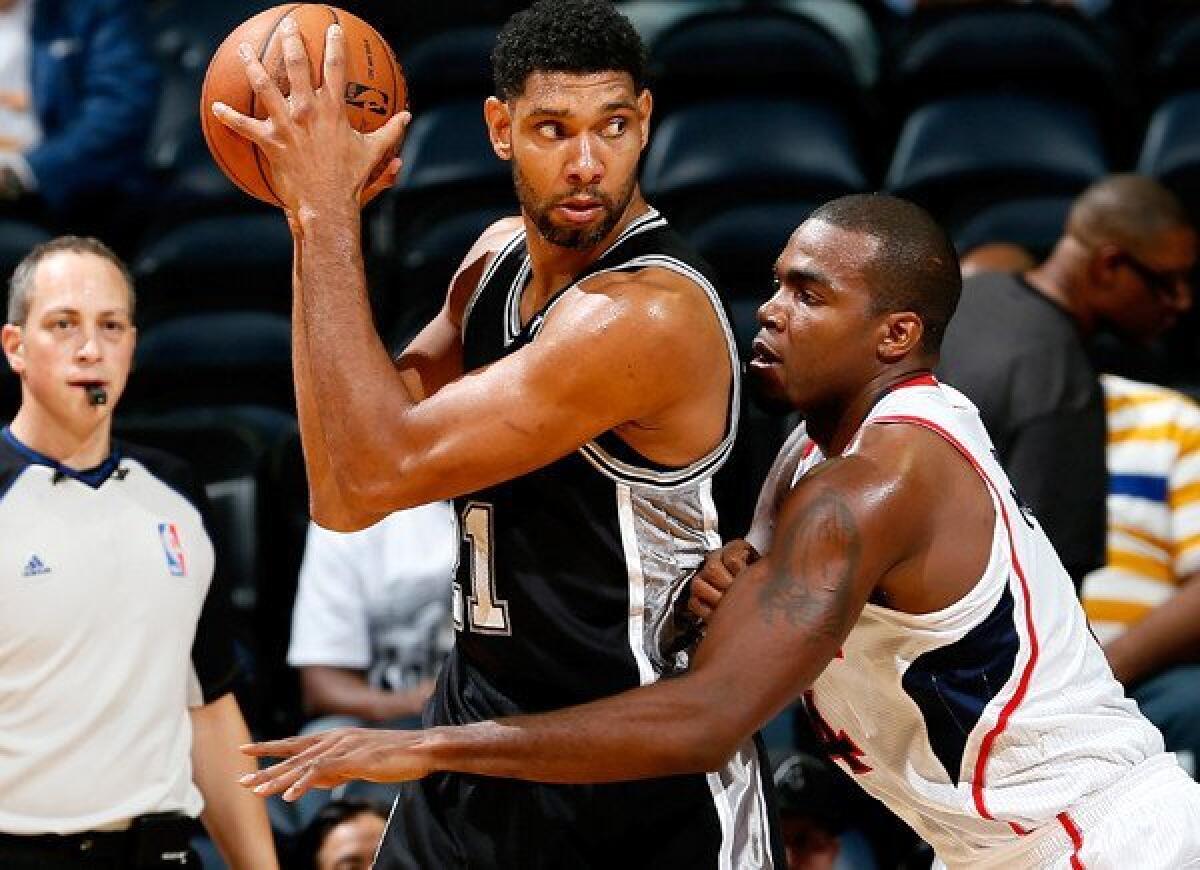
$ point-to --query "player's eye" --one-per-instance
(616, 127)
(550, 129)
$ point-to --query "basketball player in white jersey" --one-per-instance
(903, 592)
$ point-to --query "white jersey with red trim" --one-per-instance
(993, 717)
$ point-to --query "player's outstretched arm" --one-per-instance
(775, 631)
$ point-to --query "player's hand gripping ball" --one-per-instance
(375, 87)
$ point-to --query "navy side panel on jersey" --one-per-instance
(953, 683)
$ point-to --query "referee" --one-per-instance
(117, 723)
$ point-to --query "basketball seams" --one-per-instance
(205, 112)
(225, 80)
(262, 54)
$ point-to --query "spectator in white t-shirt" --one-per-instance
(371, 623)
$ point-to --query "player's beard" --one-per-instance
(573, 238)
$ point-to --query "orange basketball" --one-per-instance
(375, 88)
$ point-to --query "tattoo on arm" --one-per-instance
(816, 558)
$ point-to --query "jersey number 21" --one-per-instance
(482, 611)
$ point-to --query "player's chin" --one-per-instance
(767, 391)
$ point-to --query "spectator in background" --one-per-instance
(343, 836)
(1018, 348)
(1144, 605)
(78, 90)
(118, 724)
(371, 624)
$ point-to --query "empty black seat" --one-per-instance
(1030, 49)
(216, 263)
(1035, 224)
(708, 155)
(1171, 150)
(959, 155)
(214, 359)
(744, 52)
(452, 65)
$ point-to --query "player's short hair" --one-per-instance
(572, 36)
(915, 267)
(20, 285)
(312, 838)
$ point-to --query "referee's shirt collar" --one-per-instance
(93, 477)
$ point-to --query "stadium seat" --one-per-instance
(447, 146)
(213, 359)
(414, 286)
(449, 169)
(742, 244)
(18, 238)
(850, 24)
(961, 154)
(1029, 49)
(708, 155)
(760, 52)
(215, 263)
(652, 17)
(1035, 224)
(1174, 61)
(452, 65)
(185, 36)
(1171, 150)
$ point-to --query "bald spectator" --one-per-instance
(1017, 348)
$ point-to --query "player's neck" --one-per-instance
(553, 267)
(835, 425)
(76, 446)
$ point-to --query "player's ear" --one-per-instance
(645, 104)
(499, 123)
(901, 335)
(14, 348)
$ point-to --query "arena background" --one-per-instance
(991, 115)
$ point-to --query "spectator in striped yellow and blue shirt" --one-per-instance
(1144, 605)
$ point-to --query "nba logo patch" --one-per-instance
(172, 549)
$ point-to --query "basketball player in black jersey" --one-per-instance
(576, 394)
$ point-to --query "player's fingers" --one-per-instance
(382, 182)
(387, 139)
(310, 778)
(707, 593)
(277, 777)
(258, 132)
(264, 87)
(335, 62)
(295, 60)
(736, 557)
(279, 782)
(699, 608)
(717, 576)
(283, 748)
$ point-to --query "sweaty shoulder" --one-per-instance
(889, 477)
(661, 302)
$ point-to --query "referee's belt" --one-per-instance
(153, 840)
